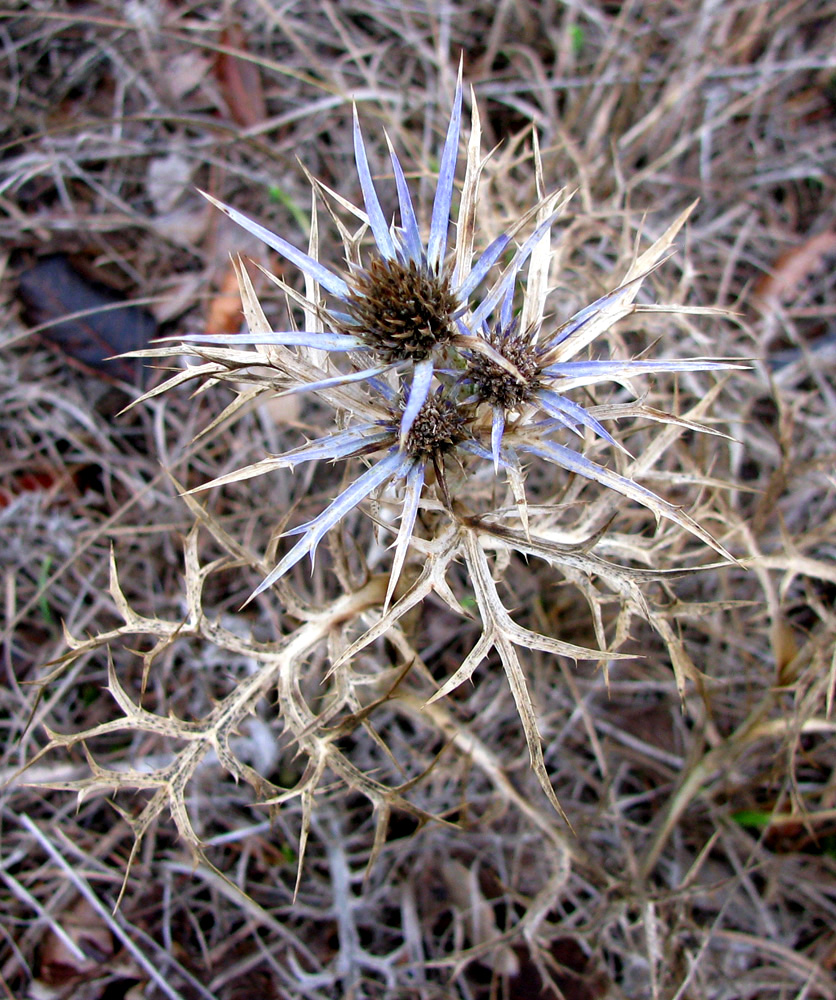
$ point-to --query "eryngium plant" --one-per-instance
(445, 370)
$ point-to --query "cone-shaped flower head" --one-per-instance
(541, 380)
(438, 428)
(527, 394)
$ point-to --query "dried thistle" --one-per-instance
(437, 389)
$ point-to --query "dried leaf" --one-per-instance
(240, 81)
(79, 951)
(87, 322)
(43, 480)
(793, 268)
(225, 310)
(184, 72)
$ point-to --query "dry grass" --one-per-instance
(702, 860)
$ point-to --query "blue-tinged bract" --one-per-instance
(540, 380)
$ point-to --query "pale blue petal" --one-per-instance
(476, 448)
(341, 444)
(377, 220)
(481, 267)
(316, 529)
(497, 430)
(559, 421)
(444, 189)
(385, 390)
(571, 414)
(506, 310)
(522, 255)
(336, 380)
(600, 370)
(582, 316)
(287, 338)
(342, 319)
(328, 280)
(573, 461)
(422, 376)
(411, 500)
(411, 232)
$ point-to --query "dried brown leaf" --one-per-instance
(240, 79)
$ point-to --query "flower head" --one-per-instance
(539, 381)
(438, 428)
(400, 311)
(538, 373)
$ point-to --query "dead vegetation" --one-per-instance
(701, 857)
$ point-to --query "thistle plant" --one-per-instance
(449, 378)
